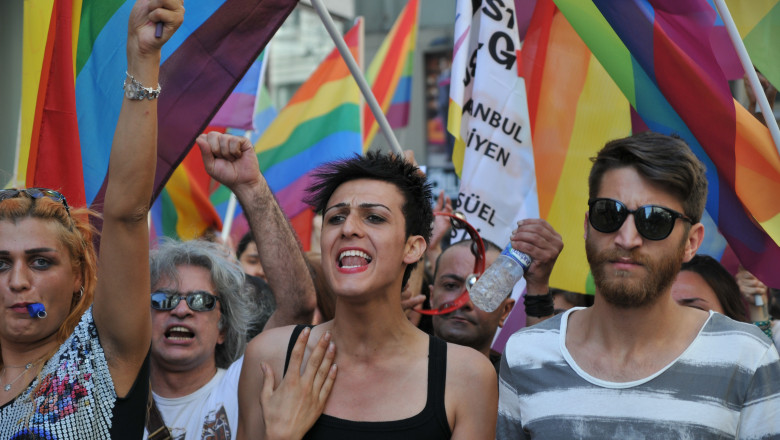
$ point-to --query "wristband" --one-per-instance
(765, 326)
(539, 306)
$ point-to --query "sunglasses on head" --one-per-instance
(35, 193)
(652, 222)
(458, 227)
(198, 300)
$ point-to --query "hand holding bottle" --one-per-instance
(533, 248)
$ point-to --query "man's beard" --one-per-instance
(623, 290)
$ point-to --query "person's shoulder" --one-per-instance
(283, 332)
(723, 339)
(471, 381)
(269, 344)
(552, 323)
(723, 326)
(467, 364)
(548, 327)
(539, 343)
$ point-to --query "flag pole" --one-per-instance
(231, 211)
(358, 75)
(763, 103)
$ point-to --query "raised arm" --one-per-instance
(231, 160)
(121, 307)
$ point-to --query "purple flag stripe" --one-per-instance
(237, 103)
(398, 115)
(291, 197)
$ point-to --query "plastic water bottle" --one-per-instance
(499, 279)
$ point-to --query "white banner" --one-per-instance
(488, 116)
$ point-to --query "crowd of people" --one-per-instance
(192, 340)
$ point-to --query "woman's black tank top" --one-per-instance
(429, 424)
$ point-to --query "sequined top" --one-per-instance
(73, 396)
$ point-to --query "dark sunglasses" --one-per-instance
(35, 193)
(458, 227)
(652, 222)
(198, 301)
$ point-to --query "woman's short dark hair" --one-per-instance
(391, 168)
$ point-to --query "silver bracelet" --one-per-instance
(136, 91)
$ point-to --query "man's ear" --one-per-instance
(415, 248)
(693, 241)
(506, 307)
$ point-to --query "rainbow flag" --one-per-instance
(238, 116)
(660, 54)
(264, 114)
(183, 210)
(758, 23)
(238, 109)
(48, 151)
(74, 63)
(321, 123)
(390, 74)
(575, 108)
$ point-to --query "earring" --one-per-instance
(81, 292)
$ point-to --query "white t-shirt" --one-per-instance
(207, 414)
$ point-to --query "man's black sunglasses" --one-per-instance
(652, 222)
(35, 193)
(198, 300)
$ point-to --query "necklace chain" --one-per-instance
(7, 386)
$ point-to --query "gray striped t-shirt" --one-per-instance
(726, 384)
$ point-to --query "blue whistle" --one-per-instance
(36, 310)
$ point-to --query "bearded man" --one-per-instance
(636, 364)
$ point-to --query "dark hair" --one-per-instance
(391, 168)
(666, 161)
(722, 283)
(243, 243)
